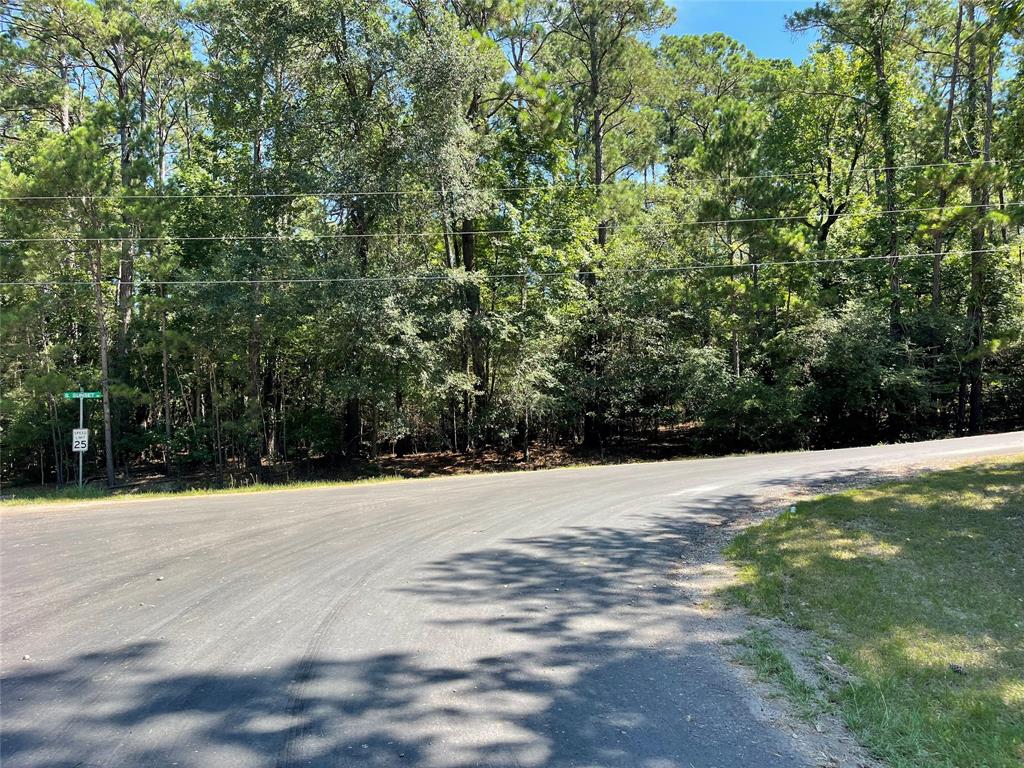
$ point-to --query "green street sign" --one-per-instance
(82, 395)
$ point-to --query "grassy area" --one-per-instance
(26, 496)
(759, 651)
(918, 589)
(29, 495)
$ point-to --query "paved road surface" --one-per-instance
(503, 620)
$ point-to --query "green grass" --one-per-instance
(759, 651)
(902, 581)
(30, 496)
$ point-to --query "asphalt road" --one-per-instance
(503, 620)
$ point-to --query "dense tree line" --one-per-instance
(282, 231)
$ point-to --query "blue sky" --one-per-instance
(758, 24)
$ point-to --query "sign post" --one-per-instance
(81, 425)
(80, 436)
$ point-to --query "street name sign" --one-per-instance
(82, 395)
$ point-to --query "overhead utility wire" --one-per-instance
(412, 192)
(433, 233)
(506, 275)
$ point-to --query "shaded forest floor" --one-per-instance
(668, 444)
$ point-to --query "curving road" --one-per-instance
(503, 620)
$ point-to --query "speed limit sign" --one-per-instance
(80, 440)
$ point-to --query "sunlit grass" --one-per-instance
(23, 496)
(33, 496)
(918, 587)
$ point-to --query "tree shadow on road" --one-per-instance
(392, 715)
(589, 678)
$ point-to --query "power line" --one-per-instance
(876, 169)
(425, 192)
(431, 233)
(443, 277)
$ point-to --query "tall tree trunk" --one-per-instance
(254, 394)
(164, 353)
(58, 458)
(65, 95)
(353, 428)
(125, 288)
(215, 408)
(271, 405)
(526, 433)
(734, 346)
(939, 242)
(474, 340)
(254, 388)
(975, 329)
(164, 369)
(104, 345)
(126, 266)
(883, 104)
(976, 296)
(593, 416)
(980, 148)
(598, 129)
(597, 121)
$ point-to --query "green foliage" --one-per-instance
(308, 232)
(861, 385)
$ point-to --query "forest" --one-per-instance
(312, 233)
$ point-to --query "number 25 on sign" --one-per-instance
(80, 436)
(80, 440)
